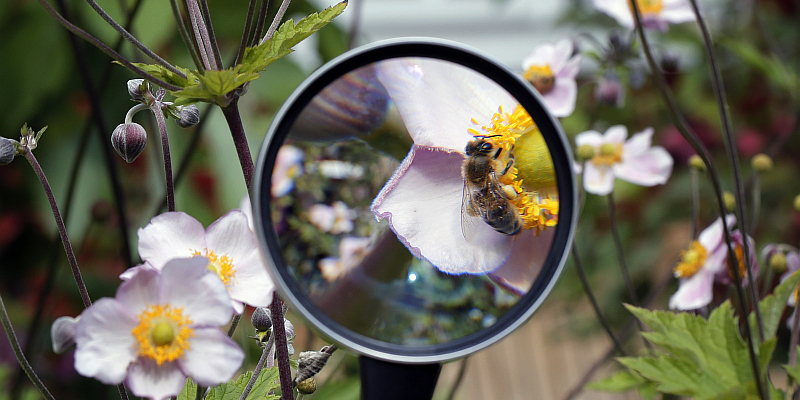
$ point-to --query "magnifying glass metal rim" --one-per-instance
(466, 57)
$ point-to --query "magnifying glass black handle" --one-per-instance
(382, 380)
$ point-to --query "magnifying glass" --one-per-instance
(415, 202)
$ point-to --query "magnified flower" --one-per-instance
(334, 219)
(159, 329)
(288, 166)
(656, 14)
(614, 157)
(706, 262)
(351, 251)
(441, 106)
(228, 244)
(552, 70)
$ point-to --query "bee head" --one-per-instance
(479, 146)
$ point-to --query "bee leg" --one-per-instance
(509, 164)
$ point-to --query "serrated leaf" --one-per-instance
(773, 305)
(794, 372)
(189, 391)
(265, 383)
(212, 86)
(622, 381)
(289, 34)
(168, 76)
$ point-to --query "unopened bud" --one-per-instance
(729, 200)
(189, 116)
(62, 333)
(309, 363)
(697, 163)
(129, 140)
(761, 162)
(778, 262)
(261, 319)
(307, 386)
(584, 152)
(136, 88)
(7, 151)
(609, 91)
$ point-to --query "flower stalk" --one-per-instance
(155, 105)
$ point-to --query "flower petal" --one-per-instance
(231, 235)
(591, 138)
(104, 343)
(213, 358)
(561, 100)
(618, 9)
(598, 180)
(62, 333)
(677, 11)
(251, 284)
(561, 53)
(712, 237)
(639, 142)
(528, 253)
(653, 167)
(616, 134)
(422, 202)
(187, 283)
(147, 379)
(694, 292)
(541, 55)
(570, 69)
(141, 289)
(438, 99)
(170, 235)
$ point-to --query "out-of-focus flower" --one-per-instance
(706, 262)
(62, 333)
(633, 160)
(609, 90)
(159, 329)
(785, 260)
(336, 169)
(351, 251)
(228, 244)
(334, 219)
(656, 14)
(288, 166)
(552, 71)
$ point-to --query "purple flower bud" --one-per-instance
(609, 91)
(7, 151)
(129, 140)
(261, 319)
(189, 116)
(136, 89)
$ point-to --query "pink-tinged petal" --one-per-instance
(158, 382)
(616, 134)
(438, 99)
(577, 167)
(422, 203)
(189, 284)
(598, 180)
(561, 100)
(713, 236)
(213, 357)
(231, 235)
(247, 209)
(617, 9)
(677, 11)
(570, 69)
(541, 55)
(141, 290)
(768, 251)
(694, 292)
(62, 333)
(251, 284)
(561, 53)
(170, 235)
(717, 260)
(653, 167)
(131, 272)
(104, 343)
(591, 138)
(792, 262)
(528, 253)
(638, 143)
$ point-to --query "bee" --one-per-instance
(484, 196)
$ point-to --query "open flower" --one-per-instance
(288, 166)
(706, 262)
(656, 14)
(614, 157)
(351, 251)
(334, 219)
(552, 70)
(159, 329)
(442, 107)
(228, 244)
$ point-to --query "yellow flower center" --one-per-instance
(520, 140)
(647, 7)
(608, 155)
(739, 251)
(163, 333)
(691, 260)
(222, 266)
(541, 77)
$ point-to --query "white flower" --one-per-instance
(288, 166)
(62, 333)
(334, 219)
(351, 251)
(656, 14)
(552, 71)
(633, 160)
(228, 243)
(159, 329)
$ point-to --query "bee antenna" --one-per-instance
(487, 136)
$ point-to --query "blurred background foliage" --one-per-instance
(756, 42)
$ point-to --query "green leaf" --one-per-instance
(257, 58)
(622, 381)
(794, 372)
(212, 86)
(772, 306)
(168, 76)
(189, 391)
(232, 390)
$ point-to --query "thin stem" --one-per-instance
(276, 21)
(695, 203)
(200, 33)
(130, 38)
(234, 324)
(257, 371)
(155, 108)
(213, 47)
(23, 362)
(730, 146)
(188, 39)
(589, 293)
(355, 26)
(234, 120)
(281, 344)
(261, 19)
(756, 203)
(62, 230)
(248, 22)
(612, 215)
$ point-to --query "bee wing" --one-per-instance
(470, 214)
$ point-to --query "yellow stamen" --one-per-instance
(739, 251)
(222, 266)
(541, 77)
(647, 7)
(162, 333)
(691, 260)
(608, 155)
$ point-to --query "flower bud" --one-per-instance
(62, 333)
(7, 151)
(129, 140)
(261, 319)
(189, 116)
(136, 88)
(307, 386)
(778, 262)
(584, 152)
(609, 91)
(697, 163)
(729, 200)
(761, 162)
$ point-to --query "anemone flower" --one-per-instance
(335, 219)
(551, 69)
(633, 160)
(790, 262)
(160, 328)
(440, 104)
(351, 251)
(706, 262)
(288, 166)
(656, 14)
(228, 244)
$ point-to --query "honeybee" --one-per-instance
(484, 196)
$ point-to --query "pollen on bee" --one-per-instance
(510, 192)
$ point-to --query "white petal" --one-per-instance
(570, 69)
(251, 284)
(147, 379)
(591, 138)
(598, 180)
(618, 9)
(561, 53)
(423, 205)
(561, 100)
(247, 209)
(188, 283)
(653, 167)
(104, 343)
(712, 237)
(62, 333)
(694, 292)
(639, 142)
(170, 235)
(528, 253)
(213, 358)
(616, 134)
(792, 262)
(541, 55)
(231, 235)
(141, 290)
(437, 99)
(677, 11)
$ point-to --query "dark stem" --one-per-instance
(23, 362)
(234, 324)
(261, 20)
(695, 203)
(234, 120)
(259, 367)
(212, 38)
(281, 347)
(612, 215)
(248, 25)
(276, 21)
(188, 39)
(62, 230)
(155, 108)
(756, 187)
(598, 312)
(200, 33)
